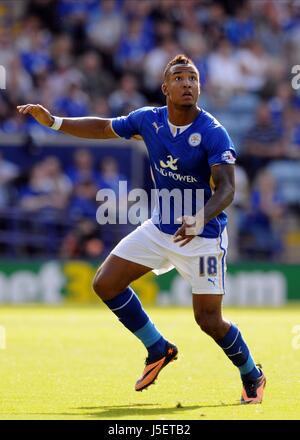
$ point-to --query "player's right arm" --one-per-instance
(86, 127)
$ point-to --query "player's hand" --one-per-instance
(190, 228)
(40, 113)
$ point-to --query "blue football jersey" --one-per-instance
(182, 162)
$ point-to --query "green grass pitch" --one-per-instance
(79, 363)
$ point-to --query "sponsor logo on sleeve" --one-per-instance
(228, 157)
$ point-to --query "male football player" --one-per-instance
(188, 149)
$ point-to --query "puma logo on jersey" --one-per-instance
(171, 163)
(157, 127)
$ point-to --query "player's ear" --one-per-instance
(164, 88)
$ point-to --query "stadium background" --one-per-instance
(105, 58)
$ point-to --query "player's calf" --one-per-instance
(111, 285)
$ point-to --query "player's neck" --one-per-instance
(182, 115)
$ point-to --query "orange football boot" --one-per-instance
(253, 390)
(154, 367)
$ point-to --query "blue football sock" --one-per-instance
(128, 308)
(237, 351)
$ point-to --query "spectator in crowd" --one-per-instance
(43, 9)
(240, 27)
(59, 181)
(13, 125)
(62, 47)
(19, 81)
(46, 191)
(84, 241)
(63, 77)
(83, 167)
(6, 46)
(294, 136)
(105, 27)
(127, 97)
(68, 9)
(36, 57)
(198, 52)
(212, 20)
(236, 210)
(73, 103)
(225, 77)
(154, 63)
(83, 202)
(101, 108)
(133, 47)
(109, 175)
(255, 66)
(189, 33)
(269, 28)
(8, 172)
(263, 143)
(261, 229)
(280, 106)
(97, 81)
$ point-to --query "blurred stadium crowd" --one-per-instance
(106, 58)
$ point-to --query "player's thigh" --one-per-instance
(115, 274)
(135, 255)
(208, 267)
(142, 246)
(207, 306)
(203, 264)
(205, 273)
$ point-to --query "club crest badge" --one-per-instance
(195, 139)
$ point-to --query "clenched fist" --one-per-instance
(40, 113)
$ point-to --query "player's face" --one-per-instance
(182, 86)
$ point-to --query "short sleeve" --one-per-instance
(131, 125)
(220, 147)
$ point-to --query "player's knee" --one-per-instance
(102, 286)
(97, 283)
(106, 287)
(209, 323)
(207, 326)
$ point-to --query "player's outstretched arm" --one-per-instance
(87, 127)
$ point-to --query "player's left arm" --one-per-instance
(224, 182)
(224, 186)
